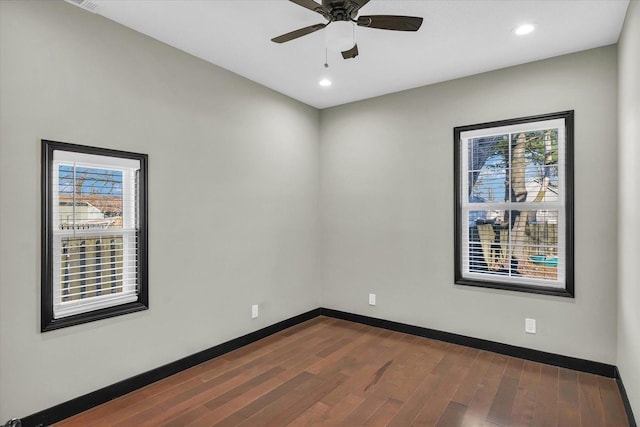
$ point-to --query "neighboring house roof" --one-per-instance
(102, 202)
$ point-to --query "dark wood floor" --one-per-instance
(335, 373)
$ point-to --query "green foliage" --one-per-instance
(535, 152)
(535, 146)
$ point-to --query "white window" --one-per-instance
(95, 237)
(514, 206)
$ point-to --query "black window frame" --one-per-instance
(47, 320)
(569, 285)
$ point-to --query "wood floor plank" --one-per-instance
(470, 384)
(568, 403)
(568, 415)
(275, 395)
(591, 413)
(452, 369)
(290, 349)
(275, 342)
(302, 403)
(378, 348)
(301, 327)
(481, 403)
(434, 407)
(340, 410)
(500, 411)
(524, 403)
(144, 402)
(313, 416)
(230, 421)
(384, 414)
(187, 417)
(612, 406)
(329, 372)
(568, 386)
(178, 403)
(514, 368)
(363, 411)
(128, 405)
(407, 370)
(243, 388)
(453, 415)
(546, 410)
(346, 353)
(219, 413)
(412, 406)
(274, 405)
(337, 345)
(251, 403)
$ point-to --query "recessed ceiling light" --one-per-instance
(325, 82)
(523, 29)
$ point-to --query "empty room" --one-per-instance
(319, 213)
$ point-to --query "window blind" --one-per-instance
(95, 232)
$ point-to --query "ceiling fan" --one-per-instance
(347, 11)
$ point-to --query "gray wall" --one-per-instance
(629, 227)
(387, 205)
(233, 198)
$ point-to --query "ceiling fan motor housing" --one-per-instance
(341, 10)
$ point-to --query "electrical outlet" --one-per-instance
(254, 311)
(372, 299)
(530, 326)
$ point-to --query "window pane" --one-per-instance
(488, 242)
(89, 198)
(531, 261)
(487, 169)
(91, 266)
(514, 243)
(534, 162)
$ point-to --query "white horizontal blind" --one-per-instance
(95, 233)
(513, 211)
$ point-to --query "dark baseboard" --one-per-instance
(582, 365)
(90, 400)
(625, 400)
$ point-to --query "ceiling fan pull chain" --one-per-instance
(326, 61)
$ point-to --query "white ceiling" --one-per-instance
(458, 38)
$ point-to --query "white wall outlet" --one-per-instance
(372, 299)
(254, 311)
(530, 326)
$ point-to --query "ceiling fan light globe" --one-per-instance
(339, 36)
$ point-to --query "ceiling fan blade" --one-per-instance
(353, 6)
(360, 3)
(298, 33)
(351, 53)
(312, 5)
(391, 22)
